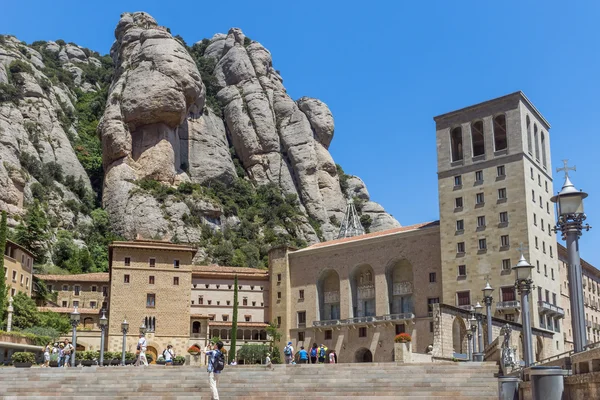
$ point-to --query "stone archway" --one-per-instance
(539, 349)
(152, 350)
(459, 336)
(399, 277)
(363, 355)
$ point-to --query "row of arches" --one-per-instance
(399, 290)
(477, 138)
(536, 142)
(242, 334)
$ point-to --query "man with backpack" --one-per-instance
(169, 355)
(313, 353)
(322, 354)
(216, 363)
(288, 353)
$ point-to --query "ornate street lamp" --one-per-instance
(75, 317)
(469, 337)
(124, 329)
(524, 284)
(103, 322)
(569, 204)
(143, 328)
(487, 298)
(473, 322)
(479, 317)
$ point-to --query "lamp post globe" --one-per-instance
(103, 322)
(124, 329)
(524, 284)
(487, 298)
(570, 210)
(74, 317)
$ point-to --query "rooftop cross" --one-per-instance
(522, 248)
(566, 168)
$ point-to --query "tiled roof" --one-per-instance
(68, 310)
(152, 244)
(218, 269)
(93, 277)
(240, 324)
(376, 234)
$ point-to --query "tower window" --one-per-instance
(501, 170)
(432, 277)
(479, 199)
(529, 146)
(504, 242)
(152, 262)
(463, 298)
(127, 261)
(151, 280)
(478, 176)
(456, 144)
(126, 278)
(482, 244)
(458, 202)
(481, 221)
(477, 138)
(500, 139)
(506, 264)
(362, 332)
(502, 194)
(460, 225)
(462, 270)
(536, 142)
(504, 217)
(543, 150)
(458, 180)
(460, 247)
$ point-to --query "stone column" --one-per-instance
(10, 310)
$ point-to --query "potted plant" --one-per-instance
(23, 359)
(179, 360)
(194, 350)
(160, 360)
(88, 358)
(108, 356)
(149, 357)
(54, 360)
(116, 358)
(129, 358)
(403, 348)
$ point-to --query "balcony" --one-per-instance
(508, 305)
(546, 308)
(466, 307)
(372, 320)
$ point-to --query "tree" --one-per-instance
(2, 282)
(275, 336)
(25, 313)
(234, 320)
(56, 321)
(32, 232)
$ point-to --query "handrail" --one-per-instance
(366, 319)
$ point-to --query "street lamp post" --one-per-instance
(469, 336)
(75, 318)
(103, 323)
(124, 329)
(473, 322)
(524, 284)
(569, 203)
(487, 298)
(479, 316)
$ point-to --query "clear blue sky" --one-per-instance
(385, 68)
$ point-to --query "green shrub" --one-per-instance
(9, 93)
(179, 360)
(149, 357)
(18, 66)
(46, 331)
(23, 357)
(129, 356)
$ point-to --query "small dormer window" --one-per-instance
(176, 263)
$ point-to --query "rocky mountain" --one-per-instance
(198, 144)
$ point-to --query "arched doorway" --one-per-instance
(152, 350)
(399, 276)
(362, 284)
(328, 287)
(363, 355)
(459, 336)
(539, 349)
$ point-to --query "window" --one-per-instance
(500, 140)
(127, 261)
(176, 280)
(225, 317)
(13, 291)
(93, 304)
(458, 202)
(65, 303)
(14, 276)
(176, 263)
(460, 247)
(432, 277)
(531, 172)
(551, 252)
(456, 144)
(328, 334)
(460, 225)
(479, 199)
(49, 287)
(430, 302)
(477, 138)
(478, 176)
(534, 219)
(152, 262)
(501, 171)
(252, 287)
(539, 180)
(533, 195)
(502, 194)
(301, 319)
(217, 286)
(462, 270)
(126, 278)
(541, 203)
(248, 318)
(463, 298)
(504, 217)
(22, 277)
(279, 295)
(151, 280)
(554, 298)
(545, 270)
(544, 247)
(508, 293)
(94, 288)
(200, 300)
(245, 301)
(482, 244)
(457, 180)
(278, 277)
(150, 300)
(543, 149)
(509, 317)
(538, 266)
(209, 302)
(529, 146)
(104, 291)
(536, 243)
(546, 184)
(279, 322)
(362, 332)
(542, 224)
(481, 221)
(301, 294)
(552, 274)
(75, 303)
(536, 143)
(506, 264)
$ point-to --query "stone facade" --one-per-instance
(85, 291)
(18, 264)
(495, 158)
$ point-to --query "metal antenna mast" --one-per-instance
(351, 225)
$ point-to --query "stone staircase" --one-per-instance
(365, 381)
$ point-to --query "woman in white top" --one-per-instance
(142, 346)
(47, 351)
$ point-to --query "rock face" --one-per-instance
(33, 132)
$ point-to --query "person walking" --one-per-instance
(68, 349)
(332, 357)
(288, 353)
(313, 353)
(47, 351)
(142, 346)
(268, 363)
(169, 355)
(61, 354)
(322, 354)
(302, 356)
(216, 363)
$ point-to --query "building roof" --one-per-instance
(240, 324)
(93, 277)
(68, 310)
(11, 243)
(152, 244)
(587, 267)
(387, 232)
(228, 271)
